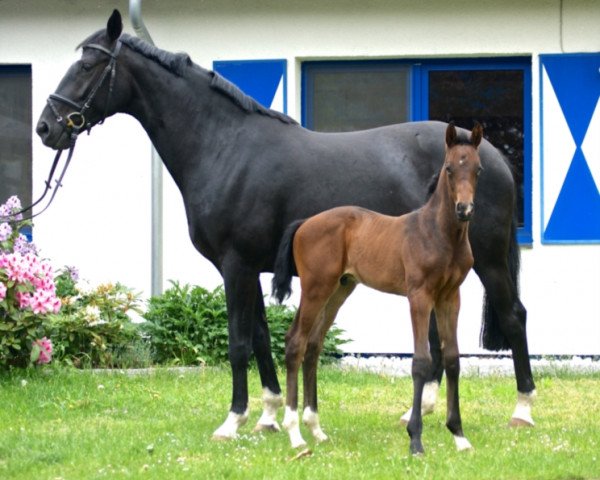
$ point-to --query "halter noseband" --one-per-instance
(75, 121)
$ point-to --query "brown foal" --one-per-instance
(424, 255)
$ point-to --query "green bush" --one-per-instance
(93, 328)
(187, 325)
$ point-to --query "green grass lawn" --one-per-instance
(65, 424)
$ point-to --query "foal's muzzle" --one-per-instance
(464, 211)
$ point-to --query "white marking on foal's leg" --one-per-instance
(430, 393)
(268, 420)
(291, 423)
(311, 420)
(228, 431)
(462, 443)
(521, 417)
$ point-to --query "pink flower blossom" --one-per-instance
(45, 346)
(2, 291)
(5, 231)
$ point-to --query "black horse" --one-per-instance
(245, 172)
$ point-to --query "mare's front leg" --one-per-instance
(420, 308)
(447, 316)
(261, 344)
(240, 291)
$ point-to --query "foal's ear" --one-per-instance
(476, 134)
(114, 27)
(450, 135)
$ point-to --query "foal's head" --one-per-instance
(462, 167)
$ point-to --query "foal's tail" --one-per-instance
(491, 336)
(285, 268)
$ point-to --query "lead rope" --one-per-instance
(48, 183)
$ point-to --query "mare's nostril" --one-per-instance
(42, 128)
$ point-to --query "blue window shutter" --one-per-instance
(570, 135)
(263, 80)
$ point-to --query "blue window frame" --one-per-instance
(503, 84)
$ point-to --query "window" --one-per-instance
(343, 96)
(15, 132)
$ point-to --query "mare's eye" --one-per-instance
(86, 67)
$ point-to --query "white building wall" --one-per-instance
(100, 221)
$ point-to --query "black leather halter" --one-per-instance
(74, 123)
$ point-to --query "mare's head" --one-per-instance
(87, 93)
(461, 170)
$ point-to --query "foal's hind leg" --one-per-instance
(313, 352)
(311, 304)
(447, 317)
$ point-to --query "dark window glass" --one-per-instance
(15, 132)
(356, 96)
(492, 97)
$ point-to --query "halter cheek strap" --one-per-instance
(76, 121)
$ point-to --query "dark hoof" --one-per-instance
(416, 448)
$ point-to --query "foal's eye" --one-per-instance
(479, 170)
(448, 170)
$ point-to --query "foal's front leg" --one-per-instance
(447, 325)
(421, 365)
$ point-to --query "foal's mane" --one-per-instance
(179, 64)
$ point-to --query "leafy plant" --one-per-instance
(94, 328)
(27, 291)
(187, 325)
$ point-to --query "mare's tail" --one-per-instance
(285, 268)
(491, 337)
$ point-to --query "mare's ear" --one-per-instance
(450, 135)
(476, 134)
(114, 27)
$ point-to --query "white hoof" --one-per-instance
(462, 443)
(271, 403)
(311, 420)
(228, 431)
(521, 417)
(292, 424)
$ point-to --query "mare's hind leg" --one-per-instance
(313, 352)
(312, 302)
(447, 316)
(261, 345)
(432, 384)
(511, 318)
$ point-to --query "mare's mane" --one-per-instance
(179, 63)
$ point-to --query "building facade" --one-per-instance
(529, 71)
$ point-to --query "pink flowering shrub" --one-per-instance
(41, 351)
(27, 291)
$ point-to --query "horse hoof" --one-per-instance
(304, 453)
(271, 428)
(416, 449)
(462, 444)
(521, 422)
